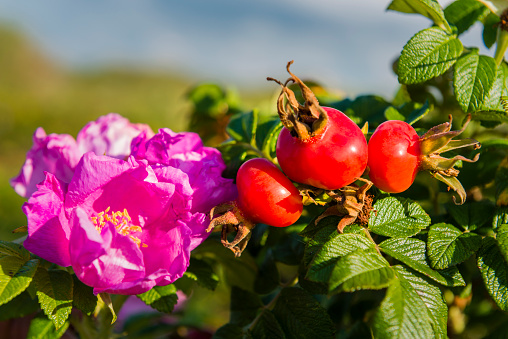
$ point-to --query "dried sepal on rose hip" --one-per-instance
(318, 146)
(397, 154)
(352, 203)
(265, 195)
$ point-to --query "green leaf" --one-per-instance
(83, 297)
(428, 54)
(328, 253)
(364, 108)
(161, 298)
(54, 290)
(412, 252)
(19, 307)
(242, 127)
(490, 25)
(391, 113)
(236, 271)
(413, 308)
(301, 316)
(449, 246)
(494, 271)
(418, 112)
(502, 240)
(500, 217)
(501, 181)
(428, 8)
(397, 217)
(474, 77)
(267, 135)
(244, 306)
(14, 250)
(464, 13)
(472, 215)
(16, 273)
(267, 278)
(201, 272)
(43, 328)
(361, 269)
(230, 331)
(267, 327)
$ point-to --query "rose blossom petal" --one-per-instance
(166, 144)
(103, 260)
(48, 229)
(110, 135)
(54, 153)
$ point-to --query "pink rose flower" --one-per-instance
(121, 229)
(59, 154)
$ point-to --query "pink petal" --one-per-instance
(48, 229)
(103, 260)
(110, 135)
(54, 153)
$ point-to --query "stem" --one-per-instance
(501, 45)
(371, 239)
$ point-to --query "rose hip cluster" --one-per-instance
(324, 151)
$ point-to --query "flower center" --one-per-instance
(122, 222)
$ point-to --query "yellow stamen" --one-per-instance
(122, 222)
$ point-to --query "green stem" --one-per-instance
(501, 45)
(371, 239)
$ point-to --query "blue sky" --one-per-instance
(343, 44)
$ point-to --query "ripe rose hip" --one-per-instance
(397, 154)
(265, 195)
(318, 146)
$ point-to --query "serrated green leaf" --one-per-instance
(413, 308)
(474, 77)
(449, 246)
(19, 307)
(16, 274)
(472, 215)
(428, 8)
(500, 217)
(13, 249)
(397, 217)
(361, 269)
(54, 291)
(402, 314)
(242, 127)
(428, 54)
(502, 240)
(43, 328)
(267, 327)
(494, 271)
(301, 316)
(244, 306)
(326, 256)
(161, 298)
(464, 13)
(412, 252)
(201, 272)
(83, 297)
